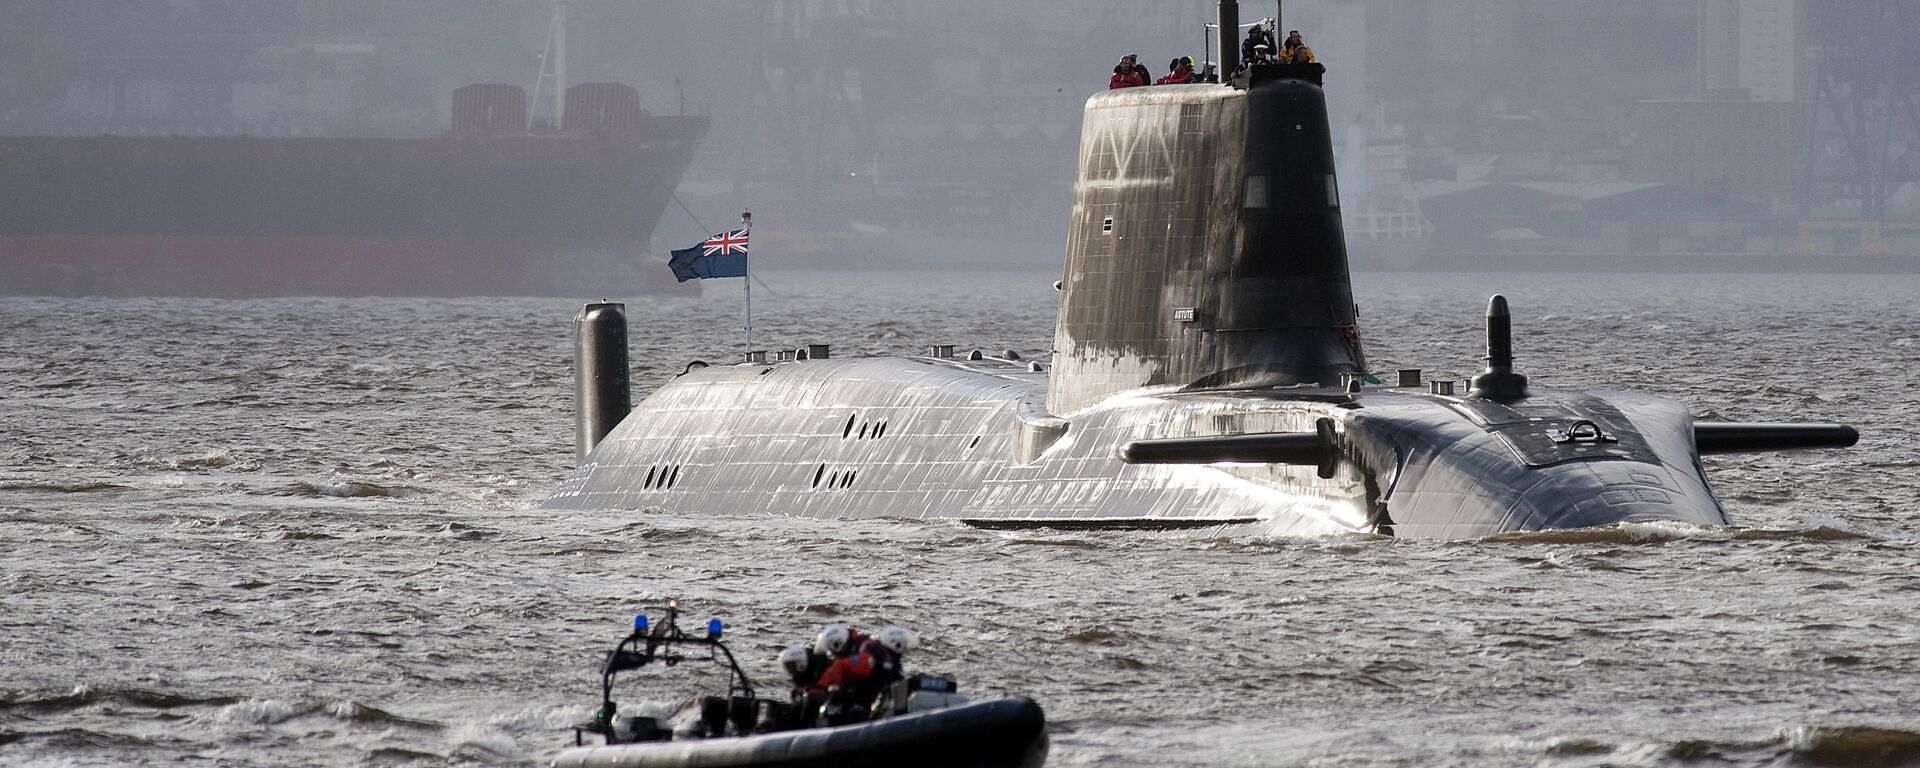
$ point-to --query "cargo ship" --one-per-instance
(489, 207)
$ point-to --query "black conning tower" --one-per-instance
(1205, 248)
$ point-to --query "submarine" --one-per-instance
(1206, 371)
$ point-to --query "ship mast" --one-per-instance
(553, 65)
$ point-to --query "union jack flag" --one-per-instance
(725, 243)
(723, 255)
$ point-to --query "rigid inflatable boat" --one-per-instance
(921, 720)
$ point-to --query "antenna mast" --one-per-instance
(553, 65)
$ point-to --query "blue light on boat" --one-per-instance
(713, 627)
(639, 622)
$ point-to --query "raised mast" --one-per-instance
(553, 66)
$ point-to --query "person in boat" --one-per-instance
(1295, 50)
(862, 666)
(1128, 73)
(1179, 71)
(803, 667)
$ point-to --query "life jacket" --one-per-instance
(861, 675)
(1127, 79)
(1180, 74)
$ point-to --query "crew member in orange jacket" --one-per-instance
(862, 666)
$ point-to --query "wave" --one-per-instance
(262, 712)
(348, 490)
(60, 486)
(76, 738)
(86, 696)
(1851, 746)
(276, 711)
(1829, 746)
(219, 459)
(353, 711)
(483, 742)
(399, 755)
(1664, 532)
(304, 536)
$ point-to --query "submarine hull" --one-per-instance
(925, 438)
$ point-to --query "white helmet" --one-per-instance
(896, 639)
(832, 640)
(794, 660)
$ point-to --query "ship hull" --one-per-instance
(520, 214)
(314, 265)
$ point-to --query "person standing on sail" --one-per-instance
(1295, 50)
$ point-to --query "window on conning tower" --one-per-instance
(1255, 192)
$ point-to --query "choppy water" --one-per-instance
(305, 532)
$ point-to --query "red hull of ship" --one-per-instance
(487, 209)
(147, 265)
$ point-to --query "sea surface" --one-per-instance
(307, 532)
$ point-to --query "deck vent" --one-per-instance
(786, 356)
(976, 355)
(1440, 387)
(757, 356)
(1409, 377)
(816, 351)
(942, 351)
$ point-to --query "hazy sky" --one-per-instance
(828, 105)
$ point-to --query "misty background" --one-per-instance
(1763, 134)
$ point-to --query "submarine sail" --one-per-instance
(1205, 246)
(1207, 372)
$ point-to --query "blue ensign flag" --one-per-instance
(723, 255)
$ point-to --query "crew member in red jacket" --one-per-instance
(862, 666)
(1179, 71)
(1127, 74)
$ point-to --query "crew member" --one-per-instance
(804, 668)
(1258, 47)
(1295, 50)
(862, 666)
(1179, 71)
(1127, 74)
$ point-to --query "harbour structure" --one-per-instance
(1207, 371)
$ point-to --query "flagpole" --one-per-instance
(746, 223)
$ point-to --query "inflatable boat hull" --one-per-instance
(1003, 732)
